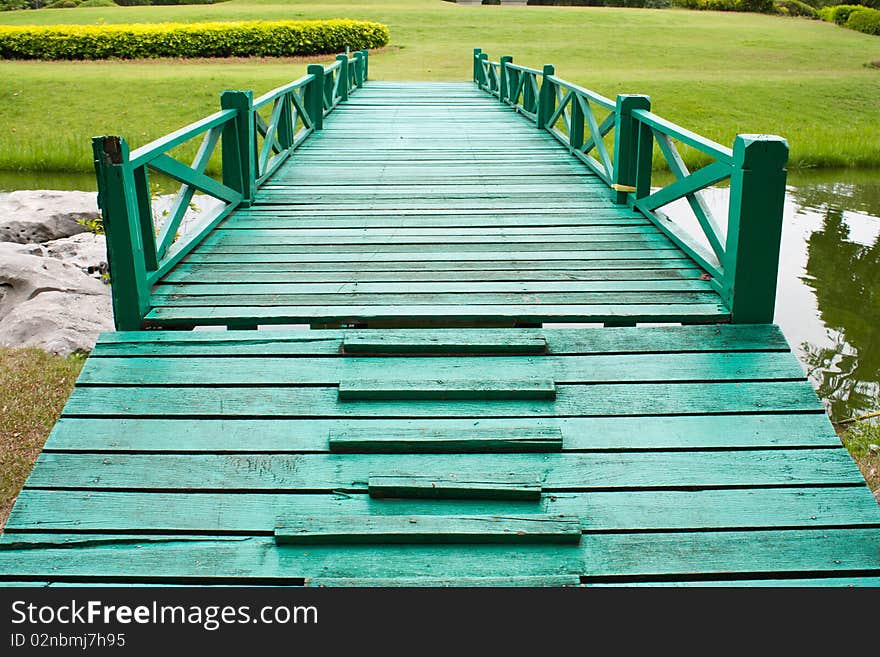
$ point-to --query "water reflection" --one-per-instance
(841, 226)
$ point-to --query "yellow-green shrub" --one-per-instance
(234, 39)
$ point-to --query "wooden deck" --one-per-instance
(685, 455)
(423, 427)
(433, 205)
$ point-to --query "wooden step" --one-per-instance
(427, 529)
(432, 344)
(483, 440)
(460, 487)
(442, 389)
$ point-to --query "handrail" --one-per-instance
(253, 147)
(144, 153)
(269, 96)
(685, 136)
(742, 261)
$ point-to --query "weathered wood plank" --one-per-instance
(115, 434)
(444, 315)
(453, 486)
(349, 582)
(364, 389)
(621, 341)
(266, 371)
(620, 510)
(346, 472)
(427, 529)
(470, 440)
(257, 560)
(571, 401)
(471, 344)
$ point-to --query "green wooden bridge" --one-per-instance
(440, 414)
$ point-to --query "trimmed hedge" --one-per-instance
(795, 8)
(838, 14)
(757, 6)
(234, 39)
(864, 20)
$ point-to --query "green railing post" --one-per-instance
(504, 78)
(343, 76)
(285, 123)
(366, 62)
(484, 75)
(626, 142)
(476, 62)
(239, 149)
(359, 69)
(117, 199)
(315, 96)
(754, 228)
(546, 97)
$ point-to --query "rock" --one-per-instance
(874, 449)
(86, 251)
(50, 304)
(29, 216)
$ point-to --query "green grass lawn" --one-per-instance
(716, 73)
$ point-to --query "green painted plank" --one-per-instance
(366, 389)
(547, 288)
(812, 582)
(395, 251)
(238, 242)
(559, 341)
(236, 369)
(242, 559)
(664, 260)
(624, 510)
(426, 300)
(473, 439)
(114, 434)
(427, 529)
(452, 486)
(210, 255)
(444, 582)
(571, 400)
(345, 472)
(471, 344)
(445, 314)
(721, 553)
(339, 235)
(232, 274)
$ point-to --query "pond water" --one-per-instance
(828, 301)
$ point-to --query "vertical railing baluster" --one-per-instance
(528, 93)
(117, 198)
(314, 96)
(239, 145)
(366, 62)
(577, 119)
(145, 213)
(503, 83)
(546, 97)
(476, 63)
(342, 86)
(754, 227)
(626, 141)
(285, 123)
(359, 69)
(644, 160)
(484, 73)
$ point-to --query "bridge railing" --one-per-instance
(740, 255)
(255, 138)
